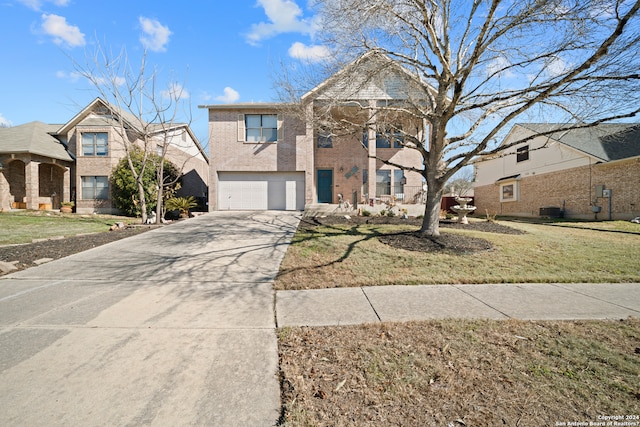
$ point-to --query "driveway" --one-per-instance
(171, 327)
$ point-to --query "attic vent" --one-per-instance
(103, 111)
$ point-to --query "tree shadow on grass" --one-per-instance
(311, 229)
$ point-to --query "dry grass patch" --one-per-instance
(460, 373)
(352, 254)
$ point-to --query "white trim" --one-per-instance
(514, 191)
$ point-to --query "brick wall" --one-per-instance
(229, 154)
(571, 189)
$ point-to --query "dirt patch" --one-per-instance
(25, 255)
(460, 373)
(414, 240)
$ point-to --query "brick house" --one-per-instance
(44, 165)
(579, 173)
(279, 156)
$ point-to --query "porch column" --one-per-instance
(5, 202)
(311, 190)
(32, 184)
(66, 185)
(372, 161)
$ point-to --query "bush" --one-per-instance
(182, 204)
(124, 188)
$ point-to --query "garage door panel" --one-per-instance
(260, 191)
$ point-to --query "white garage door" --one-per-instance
(261, 191)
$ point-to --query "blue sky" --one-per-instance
(221, 51)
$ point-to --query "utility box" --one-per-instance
(599, 190)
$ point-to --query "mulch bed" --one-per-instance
(414, 240)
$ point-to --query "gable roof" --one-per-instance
(95, 106)
(388, 80)
(85, 118)
(606, 142)
(33, 138)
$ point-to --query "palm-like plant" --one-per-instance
(182, 204)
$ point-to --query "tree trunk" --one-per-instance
(143, 201)
(431, 220)
(160, 191)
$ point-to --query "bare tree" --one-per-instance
(461, 183)
(144, 116)
(482, 66)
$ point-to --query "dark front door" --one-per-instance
(325, 186)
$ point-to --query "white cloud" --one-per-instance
(73, 76)
(313, 53)
(5, 122)
(176, 91)
(37, 4)
(557, 66)
(285, 16)
(230, 95)
(500, 66)
(156, 35)
(62, 33)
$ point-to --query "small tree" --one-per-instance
(125, 189)
(144, 117)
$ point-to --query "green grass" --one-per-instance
(25, 226)
(351, 255)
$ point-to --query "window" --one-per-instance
(261, 127)
(384, 138)
(365, 138)
(398, 183)
(95, 187)
(509, 192)
(522, 153)
(383, 183)
(325, 139)
(95, 143)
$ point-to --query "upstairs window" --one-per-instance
(261, 127)
(522, 153)
(95, 143)
(325, 139)
(386, 136)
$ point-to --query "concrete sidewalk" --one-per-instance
(539, 301)
(171, 327)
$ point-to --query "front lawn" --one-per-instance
(25, 226)
(348, 254)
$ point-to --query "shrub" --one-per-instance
(124, 189)
(182, 204)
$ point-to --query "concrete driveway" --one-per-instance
(171, 327)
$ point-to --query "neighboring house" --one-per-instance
(576, 173)
(44, 165)
(267, 156)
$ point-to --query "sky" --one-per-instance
(219, 51)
